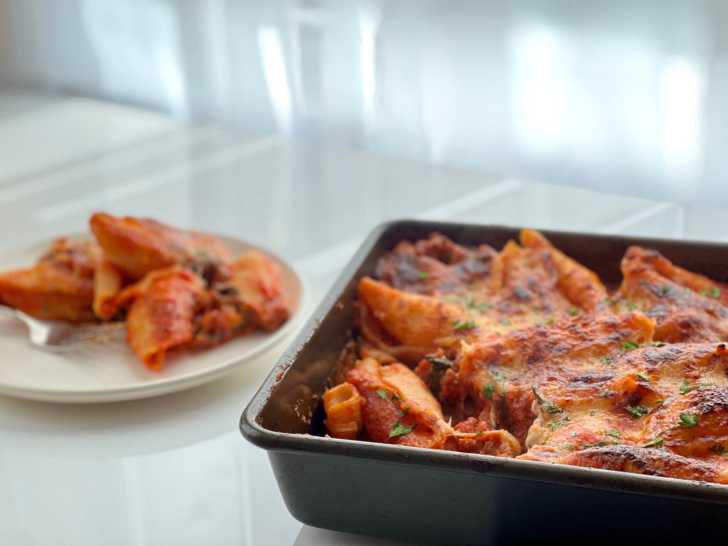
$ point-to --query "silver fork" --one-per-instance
(55, 335)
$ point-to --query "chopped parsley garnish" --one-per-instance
(663, 290)
(460, 325)
(688, 420)
(381, 393)
(422, 274)
(643, 377)
(614, 433)
(488, 391)
(470, 303)
(608, 301)
(631, 306)
(548, 321)
(637, 411)
(629, 346)
(658, 343)
(686, 387)
(548, 407)
(606, 360)
(712, 293)
(556, 423)
(656, 442)
(439, 361)
(399, 430)
(573, 311)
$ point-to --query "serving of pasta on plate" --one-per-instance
(522, 352)
(175, 289)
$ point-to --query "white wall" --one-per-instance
(624, 97)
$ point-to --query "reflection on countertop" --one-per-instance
(626, 98)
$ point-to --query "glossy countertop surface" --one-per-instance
(174, 469)
(628, 96)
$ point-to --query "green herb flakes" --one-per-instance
(629, 346)
(546, 406)
(473, 305)
(488, 391)
(712, 293)
(557, 423)
(655, 442)
(460, 325)
(686, 387)
(637, 411)
(688, 420)
(399, 430)
(381, 393)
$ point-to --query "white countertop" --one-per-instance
(175, 470)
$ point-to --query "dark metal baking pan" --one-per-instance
(423, 495)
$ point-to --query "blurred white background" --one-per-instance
(625, 97)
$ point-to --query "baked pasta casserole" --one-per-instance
(524, 353)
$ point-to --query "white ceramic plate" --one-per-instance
(105, 369)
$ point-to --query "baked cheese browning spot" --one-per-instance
(435, 266)
(686, 306)
(693, 424)
(654, 462)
